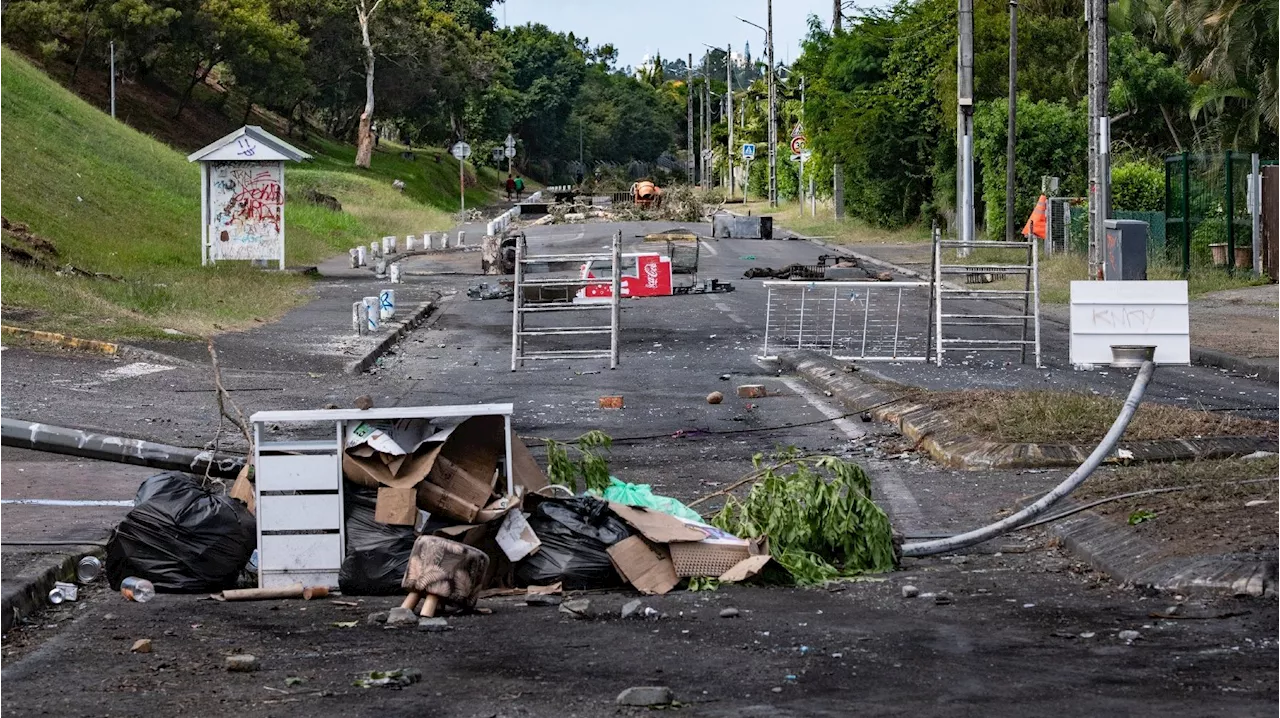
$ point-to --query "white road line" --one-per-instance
(723, 307)
(902, 503)
(737, 318)
(128, 371)
(709, 248)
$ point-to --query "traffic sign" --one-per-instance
(460, 150)
(509, 152)
(797, 144)
(798, 130)
(497, 154)
(510, 142)
(748, 152)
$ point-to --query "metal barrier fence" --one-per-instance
(867, 321)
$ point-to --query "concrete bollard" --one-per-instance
(444, 240)
(372, 313)
(386, 304)
(462, 239)
(375, 249)
(389, 245)
(380, 268)
(355, 258)
(359, 318)
(393, 272)
(408, 242)
(360, 256)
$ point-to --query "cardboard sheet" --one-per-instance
(646, 566)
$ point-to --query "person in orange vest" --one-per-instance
(1037, 225)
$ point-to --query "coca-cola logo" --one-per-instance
(651, 275)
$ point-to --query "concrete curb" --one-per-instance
(934, 432)
(401, 328)
(30, 593)
(91, 346)
(1122, 553)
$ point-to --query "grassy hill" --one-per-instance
(116, 202)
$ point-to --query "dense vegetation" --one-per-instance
(1196, 75)
(442, 71)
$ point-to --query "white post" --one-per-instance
(113, 80)
(444, 240)
(204, 213)
(373, 249)
(355, 258)
(394, 273)
(408, 243)
(391, 245)
(462, 239)
(359, 319)
(372, 312)
(1255, 212)
(386, 304)
(360, 256)
(281, 216)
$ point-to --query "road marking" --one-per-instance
(709, 248)
(902, 503)
(128, 371)
(729, 312)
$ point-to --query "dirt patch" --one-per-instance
(1220, 514)
(1052, 417)
(25, 247)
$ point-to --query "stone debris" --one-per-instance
(751, 391)
(399, 616)
(142, 645)
(715, 397)
(910, 591)
(645, 696)
(433, 624)
(578, 607)
(542, 599)
(730, 612)
(241, 663)
(1128, 636)
(631, 608)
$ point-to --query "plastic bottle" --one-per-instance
(137, 589)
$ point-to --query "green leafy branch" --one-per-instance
(591, 462)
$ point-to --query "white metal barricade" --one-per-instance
(996, 313)
(561, 298)
(867, 321)
(298, 487)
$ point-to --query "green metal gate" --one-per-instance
(1206, 206)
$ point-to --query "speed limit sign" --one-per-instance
(797, 144)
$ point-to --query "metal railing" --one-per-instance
(986, 312)
(866, 321)
(553, 296)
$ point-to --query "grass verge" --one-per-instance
(827, 227)
(114, 201)
(1048, 417)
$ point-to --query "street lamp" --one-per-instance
(728, 114)
(773, 108)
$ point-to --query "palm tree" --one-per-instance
(1230, 49)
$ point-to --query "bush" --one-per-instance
(1137, 187)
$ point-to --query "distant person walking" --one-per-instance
(511, 187)
(519, 187)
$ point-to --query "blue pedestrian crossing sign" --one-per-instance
(748, 151)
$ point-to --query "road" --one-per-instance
(1023, 629)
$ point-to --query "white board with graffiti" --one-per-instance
(246, 210)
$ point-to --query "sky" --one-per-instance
(673, 27)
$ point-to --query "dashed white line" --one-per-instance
(709, 248)
(66, 502)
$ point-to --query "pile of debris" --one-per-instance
(829, 267)
(425, 513)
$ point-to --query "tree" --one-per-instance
(364, 146)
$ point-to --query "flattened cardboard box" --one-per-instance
(646, 566)
(695, 549)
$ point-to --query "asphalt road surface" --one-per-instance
(1020, 629)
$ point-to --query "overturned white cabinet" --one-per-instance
(298, 487)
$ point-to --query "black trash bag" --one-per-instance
(181, 537)
(575, 534)
(377, 553)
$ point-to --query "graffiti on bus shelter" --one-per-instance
(247, 203)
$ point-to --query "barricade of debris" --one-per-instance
(426, 517)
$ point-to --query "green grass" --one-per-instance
(846, 231)
(116, 201)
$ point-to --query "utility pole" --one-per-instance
(773, 115)
(964, 125)
(689, 88)
(836, 17)
(800, 179)
(706, 121)
(1099, 135)
(1011, 141)
(113, 79)
(728, 113)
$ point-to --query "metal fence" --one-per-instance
(1207, 206)
(868, 321)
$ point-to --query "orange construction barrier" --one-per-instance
(1038, 224)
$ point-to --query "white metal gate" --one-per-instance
(868, 321)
